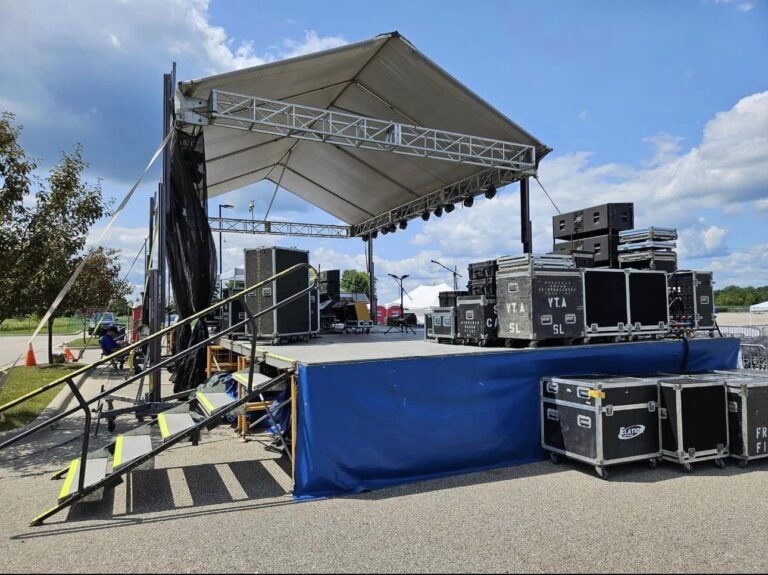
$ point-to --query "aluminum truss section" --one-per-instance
(449, 195)
(278, 228)
(279, 118)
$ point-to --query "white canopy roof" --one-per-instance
(386, 78)
(759, 307)
(422, 297)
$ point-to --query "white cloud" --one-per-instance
(728, 168)
(583, 115)
(745, 6)
(312, 42)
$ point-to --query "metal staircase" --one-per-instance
(87, 476)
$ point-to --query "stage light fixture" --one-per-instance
(438, 211)
(392, 228)
(403, 224)
(385, 230)
(449, 208)
(490, 192)
(469, 201)
(364, 237)
(425, 216)
(375, 234)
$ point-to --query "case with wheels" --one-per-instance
(601, 420)
(477, 321)
(694, 419)
(747, 414)
(443, 325)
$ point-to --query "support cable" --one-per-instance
(536, 177)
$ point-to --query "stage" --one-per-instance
(379, 410)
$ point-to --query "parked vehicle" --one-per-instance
(103, 320)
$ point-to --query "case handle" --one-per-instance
(584, 421)
(552, 387)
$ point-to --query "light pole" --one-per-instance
(456, 275)
(251, 207)
(400, 320)
(221, 261)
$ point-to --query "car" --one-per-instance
(103, 320)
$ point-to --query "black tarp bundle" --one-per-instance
(191, 254)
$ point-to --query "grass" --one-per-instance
(22, 380)
(26, 326)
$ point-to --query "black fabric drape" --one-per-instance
(191, 254)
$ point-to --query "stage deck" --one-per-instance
(346, 348)
(377, 410)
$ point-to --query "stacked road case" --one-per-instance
(601, 420)
(648, 248)
(539, 298)
(441, 325)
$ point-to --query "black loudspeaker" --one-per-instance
(291, 319)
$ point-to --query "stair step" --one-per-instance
(129, 448)
(258, 379)
(171, 424)
(95, 471)
(213, 402)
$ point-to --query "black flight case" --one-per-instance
(601, 420)
(747, 413)
(441, 326)
(694, 419)
(477, 322)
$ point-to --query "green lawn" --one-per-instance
(27, 325)
(22, 380)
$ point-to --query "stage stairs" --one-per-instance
(86, 477)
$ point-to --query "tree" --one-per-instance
(353, 281)
(43, 226)
(99, 287)
(16, 181)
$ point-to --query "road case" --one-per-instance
(747, 414)
(648, 302)
(443, 325)
(540, 305)
(692, 300)
(291, 321)
(694, 420)
(606, 303)
(477, 320)
(593, 221)
(601, 420)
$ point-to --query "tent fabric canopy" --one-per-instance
(385, 78)
(759, 307)
(420, 299)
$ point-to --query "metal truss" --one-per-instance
(278, 228)
(275, 117)
(449, 195)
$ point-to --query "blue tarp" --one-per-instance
(373, 424)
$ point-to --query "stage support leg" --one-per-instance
(525, 217)
(371, 281)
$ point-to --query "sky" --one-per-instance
(664, 104)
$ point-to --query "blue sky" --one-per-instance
(660, 103)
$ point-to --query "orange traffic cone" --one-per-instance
(31, 362)
(68, 355)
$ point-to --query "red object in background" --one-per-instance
(381, 314)
(135, 323)
(393, 311)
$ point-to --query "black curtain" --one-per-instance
(191, 254)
